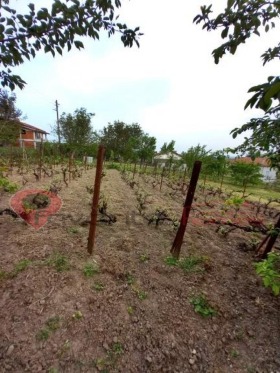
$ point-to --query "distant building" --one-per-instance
(30, 136)
(164, 159)
(268, 174)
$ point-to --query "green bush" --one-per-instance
(113, 166)
(7, 185)
(269, 270)
(202, 307)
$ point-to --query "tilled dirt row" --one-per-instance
(124, 309)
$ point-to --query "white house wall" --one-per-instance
(268, 175)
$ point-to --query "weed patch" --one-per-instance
(171, 261)
(20, 266)
(77, 315)
(59, 262)
(90, 269)
(202, 307)
(7, 186)
(144, 258)
(53, 323)
(43, 335)
(109, 361)
(188, 264)
(73, 230)
(98, 286)
(269, 270)
(129, 278)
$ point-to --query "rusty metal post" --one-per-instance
(176, 247)
(95, 198)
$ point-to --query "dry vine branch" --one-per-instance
(253, 228)
(9, 212)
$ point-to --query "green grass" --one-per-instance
(7, 185)
(59, 262)
(188, 264)
(202, 307)
(73, 230)
(142, 294)
(43, 334)
(3, 275)
(144, 258)
(130, 310)
(170, 261)
(20, 266)
(90, 269)
(191, 264)
(234, 353)
(98, 286)
(53, 370)
(77, 315)
(53, 323)
(105, 364)
(129, 278)
(117, 348)
(263, 190)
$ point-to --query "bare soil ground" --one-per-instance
(124, 309)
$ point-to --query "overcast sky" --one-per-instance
(170, 85)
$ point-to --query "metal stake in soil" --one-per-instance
(176, 247)
(94, 210)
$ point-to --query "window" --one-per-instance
(23, 131)
(37, 135)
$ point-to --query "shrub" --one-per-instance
(269, 270)
(7, 186)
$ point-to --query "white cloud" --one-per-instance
(203, 103)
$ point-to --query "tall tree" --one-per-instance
(239, 21)
(120, 139)
(245, 174)
(8, 109)
(22, 36)
(168, 147)
(194, 153)
(9, 118)
(76, 128)
(147, 148)
(214, 165)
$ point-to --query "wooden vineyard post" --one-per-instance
(70, 163)
(161, 180)
(40, 159)
(94, 209)
(270, 239)
(176, 247)
(85, 162)
(134, 170)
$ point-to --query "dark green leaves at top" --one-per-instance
(230, 3)
(239, 21)
(265, 94)
(78, 44)
(21, 36)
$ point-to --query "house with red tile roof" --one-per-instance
(269, 174)
(30, 136)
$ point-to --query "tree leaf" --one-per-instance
(78, 44)
(273, 92)
(230, 3)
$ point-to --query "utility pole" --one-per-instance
(57, 121)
